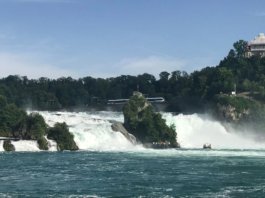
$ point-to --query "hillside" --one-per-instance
(183, 92)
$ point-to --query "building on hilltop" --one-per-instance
(256, 47)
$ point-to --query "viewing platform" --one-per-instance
(9, 138)
(123, 101)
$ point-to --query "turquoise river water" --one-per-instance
(147, 173)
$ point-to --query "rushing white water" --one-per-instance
(29, 145)
(92, 131)
(25, 145)
(1, 145)
(52, 145)
(195, 130)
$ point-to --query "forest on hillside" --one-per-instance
(182, 91)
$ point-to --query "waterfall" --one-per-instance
(1, 145)
(195, 130)
(92, 131)
(25, 145)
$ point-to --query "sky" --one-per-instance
(108, 38)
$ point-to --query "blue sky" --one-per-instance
(104, 38)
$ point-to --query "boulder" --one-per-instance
(118, 127)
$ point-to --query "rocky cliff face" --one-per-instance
(118, 127)
(235, 109)
(243, 114)
(231, 114)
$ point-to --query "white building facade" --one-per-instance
(256, 47)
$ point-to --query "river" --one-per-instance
(107, 165)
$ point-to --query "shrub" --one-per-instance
(36, 127)
(43, 143)
(145, 124)
(8, 146)
(12, 119)
(60, 133)
(238, 102)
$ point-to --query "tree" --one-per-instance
(164, 75)
(145, 124)
(36, 127)
(65, 140)
(146, 83)
(231, 54)
(240, 47)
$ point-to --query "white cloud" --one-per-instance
(18, 64)
(152, 65)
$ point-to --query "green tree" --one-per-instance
(8, 146)
(240, 47)
(36, 127)
(147, 125)
(60, 133)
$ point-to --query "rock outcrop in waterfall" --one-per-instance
(16, 124)
(118, 127)
(243, 113)
(235, 109)
(146, 125)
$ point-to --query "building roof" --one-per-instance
(258, 40)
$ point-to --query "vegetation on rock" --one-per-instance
(145, 124)
(14, 122)
(12, 119)
(243, 112)
(36, 126)
(60, 133)
(43, 143)
(238, 102)
(8, 146)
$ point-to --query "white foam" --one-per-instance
(195, 130)
(26, 145)
(52, 145)
(92, 130)
(2, 145)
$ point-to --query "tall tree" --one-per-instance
(241, 47)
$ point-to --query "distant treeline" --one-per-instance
(181, 90)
